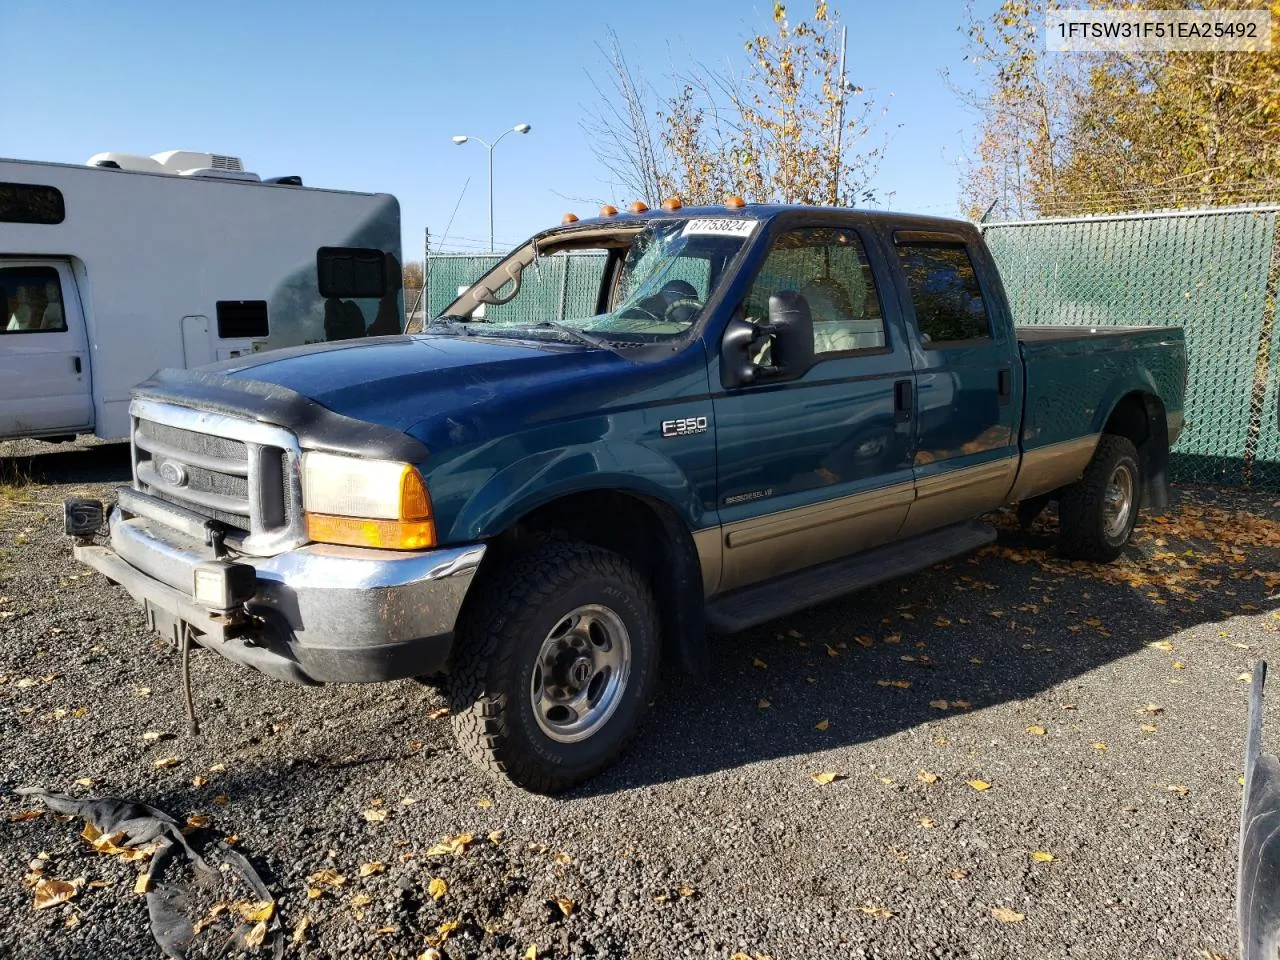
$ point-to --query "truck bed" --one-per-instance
(1054, 333)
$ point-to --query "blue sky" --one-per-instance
(366, 95)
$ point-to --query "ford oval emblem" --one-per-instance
(174, 474)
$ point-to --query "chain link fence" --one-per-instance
(1211, 272)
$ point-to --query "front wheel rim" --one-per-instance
(580, 673)
(1117, 507)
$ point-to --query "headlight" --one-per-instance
(366, 503)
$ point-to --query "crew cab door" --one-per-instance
(968, 379)
(44, 360)
(819, 466)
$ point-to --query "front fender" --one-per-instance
(540, 478)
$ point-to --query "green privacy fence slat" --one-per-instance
(1205, 271)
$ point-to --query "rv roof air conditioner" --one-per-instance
(182, 163)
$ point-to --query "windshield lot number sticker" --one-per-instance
(684, 427)
(723, 227)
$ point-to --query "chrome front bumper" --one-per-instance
(318, 614)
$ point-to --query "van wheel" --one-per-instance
(556, 663)
(1098, 512)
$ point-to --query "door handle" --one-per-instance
(75, 364)
(1004, 385)
(903, 397)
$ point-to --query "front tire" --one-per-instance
(557, 661)
(1098, 512)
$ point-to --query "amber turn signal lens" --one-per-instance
(569, 218)
(379, 534)
(735, 202)
(672, 203)
(608, 210)
(637, 207)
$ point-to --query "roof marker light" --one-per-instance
(734, 202)
(637, 207)
(569, 218)
(672, 203)
(608, 210)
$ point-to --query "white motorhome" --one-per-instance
(127, 264)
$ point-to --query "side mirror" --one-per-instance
(781, 349)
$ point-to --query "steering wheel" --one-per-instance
(682, 311)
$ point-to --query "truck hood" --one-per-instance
(417, 386)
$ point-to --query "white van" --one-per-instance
(112, 270)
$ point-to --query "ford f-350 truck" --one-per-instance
(762, 408)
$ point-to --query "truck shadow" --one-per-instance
(30, 461)
(1009, 623)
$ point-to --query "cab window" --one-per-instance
(945, 293)
(828, 267)
(31, 300)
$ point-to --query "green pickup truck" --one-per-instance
(764, 408)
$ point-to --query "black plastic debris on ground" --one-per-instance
(170, 903)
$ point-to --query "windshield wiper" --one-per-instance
(575, 333)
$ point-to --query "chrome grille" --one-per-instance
(241, 473)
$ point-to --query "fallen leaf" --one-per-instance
(763, 704)
(256, 934)
(957, 874)
(143, 883)
(1179, 665)
(484, 803)
(686, 891)
(1042, 856)
(496, 837)
(327, 878)
(1178, 788)
(1148, 728)
(1036, 729)
(198, 820)
(874, 911)
(437, 888)
(822, 725)
(22, 816)
(757, 662)
(831, 651)
(900, 684)
(375, 815)
(152, 736)
(199, 781)
(455, 845)
(863, 641)
(255, 911)
(1164, 645)
(893, 638)
(1245, 677)
(222, 799)
(166, 762)
(887, 781)
(300, 930)
(566, 906)
(361, 900)
(50, 893)
(927, 823)
(1100, 745)
(1152, 708)
(369, 869)
(924, 776)
(564, 859)
(218, 768)
(939, 704)
(85, 781)
(438, 713)
(1005, 915)
(313, 892)
(826, 777)
(979, 784)
(532, 952)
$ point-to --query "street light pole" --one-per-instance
(461, 139)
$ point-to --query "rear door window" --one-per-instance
(31, 301)
(945, 293)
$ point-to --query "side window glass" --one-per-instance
(945, 293)
(828, 267)
(31, 300)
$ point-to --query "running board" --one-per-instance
(797, 591)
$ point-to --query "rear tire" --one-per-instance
(556, 663)
(1098, 512)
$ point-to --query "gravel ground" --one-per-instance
(1014, 669)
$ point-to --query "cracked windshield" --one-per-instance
(650, 286)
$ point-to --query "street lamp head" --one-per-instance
(460, 140)
(521, 128)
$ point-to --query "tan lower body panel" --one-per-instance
(958, 495)
(1049, 467)
(764, 547)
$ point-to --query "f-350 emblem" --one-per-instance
(684, 427)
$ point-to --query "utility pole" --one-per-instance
(835, 181)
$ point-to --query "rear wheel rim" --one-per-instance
(581, 673)
(1117, 503)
